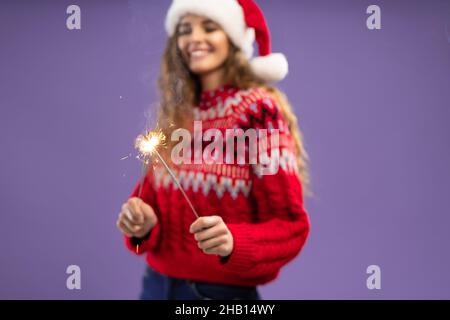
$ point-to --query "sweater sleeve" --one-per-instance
(281, 224)
(151, 240)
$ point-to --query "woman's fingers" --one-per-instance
(211, 243)
(134, 207)
(130, 225)
(124, 229)
(127, 213)
(219, 250)
(148, 213)
(211, 232)
(204, 223)
(213, 235)
(131, 219)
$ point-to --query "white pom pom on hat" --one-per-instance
(244, 22)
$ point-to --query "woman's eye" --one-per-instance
(184, 31)
(210, 29)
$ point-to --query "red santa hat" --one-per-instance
(244, 22)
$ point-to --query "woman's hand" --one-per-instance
(136, 218)
(213, 235)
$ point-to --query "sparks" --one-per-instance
(126, 157)
(147, 143)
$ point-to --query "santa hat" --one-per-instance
(244, 22)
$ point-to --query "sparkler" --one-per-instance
(147, 145)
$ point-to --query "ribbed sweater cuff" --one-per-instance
(243, 256)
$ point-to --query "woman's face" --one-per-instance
(203, 43)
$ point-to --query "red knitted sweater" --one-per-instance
(264, 213)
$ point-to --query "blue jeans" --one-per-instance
(160, 287)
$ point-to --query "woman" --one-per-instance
(252, 219)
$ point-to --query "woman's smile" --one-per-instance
(198, 54)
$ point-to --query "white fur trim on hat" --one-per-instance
(273, 67)
(230, 16)
(227, 13)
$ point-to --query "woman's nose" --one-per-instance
(197, 35)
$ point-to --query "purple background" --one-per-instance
(374, 107)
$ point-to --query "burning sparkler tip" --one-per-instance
(148, 142)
